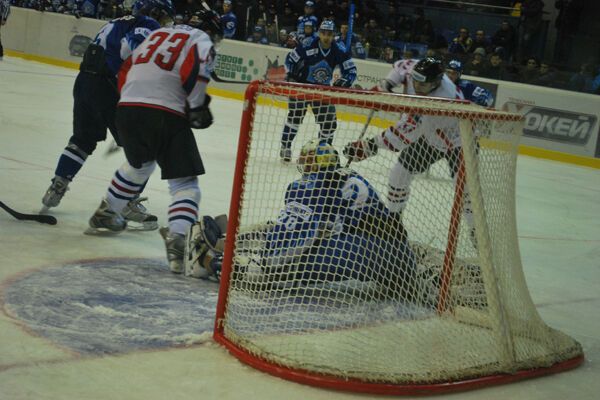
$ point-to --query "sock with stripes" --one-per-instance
(70, 162)
(183, 211)
(127, 183)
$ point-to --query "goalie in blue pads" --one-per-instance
(333, 227)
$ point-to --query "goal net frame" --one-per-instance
(466, 177)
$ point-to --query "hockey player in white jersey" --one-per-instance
(420, 140)
(163, 95)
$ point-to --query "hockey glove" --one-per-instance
(360, 150)
(342, 82)
(201, 117)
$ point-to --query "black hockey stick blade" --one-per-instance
(43, 219)
(216, 78)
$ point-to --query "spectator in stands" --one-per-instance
(582, 81)
(567, 26)
(481, 41)
(258, 36)
(327, 9)
(358, 50)
(404, 28)
(595, 89)
(342, 13)
(228, 20)
(495, 69)
(427, 34)
(547, 76)
(477, 65)
(505, 38)
(418, 24)
(531, 24)
(288, 20)
(373, 38)
(461, 45)
(531, 71)
(388, 55)
(309, 15)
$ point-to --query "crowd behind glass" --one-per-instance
(385, 33)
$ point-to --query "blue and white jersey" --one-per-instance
(313, 64)
(476, 94)
(302, 20)
(229, 23)
(332, 202)
(306, 40)
(121, 36)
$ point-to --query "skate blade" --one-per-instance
(144, 226)
(101, 232)
(44, 210)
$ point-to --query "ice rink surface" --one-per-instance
(101, 318)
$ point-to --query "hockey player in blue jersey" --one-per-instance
(333, 227)
(309, 9)
(314, 64)
(95, 99)
(472, 92)
(228, 20)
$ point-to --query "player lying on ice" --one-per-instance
(333, 227)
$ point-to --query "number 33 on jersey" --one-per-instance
(174, 64)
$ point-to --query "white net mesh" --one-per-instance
(364, 273)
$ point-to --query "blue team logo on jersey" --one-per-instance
(320, 73)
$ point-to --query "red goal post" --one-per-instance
(482, 328)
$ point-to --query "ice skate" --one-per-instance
(105, 221)
(175, 245)
(137, 216)
(55, 192)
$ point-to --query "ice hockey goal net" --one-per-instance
(366, 307)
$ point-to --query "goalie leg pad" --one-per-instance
(204, 247)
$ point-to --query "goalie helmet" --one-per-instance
(317, 155)
(160, 10)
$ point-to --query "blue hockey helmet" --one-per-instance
(327, 25)
(317, 155)
(455, 65)
(156, 9)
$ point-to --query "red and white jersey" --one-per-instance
(170, 68)
(440, 132)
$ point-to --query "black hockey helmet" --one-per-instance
(208, 21)
(429, 69)
(427, 75)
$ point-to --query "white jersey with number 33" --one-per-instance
(170, 68)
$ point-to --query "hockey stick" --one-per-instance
(43, 219)
(362, 133)
(350, 28)
(216, 78)
(112, 149)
